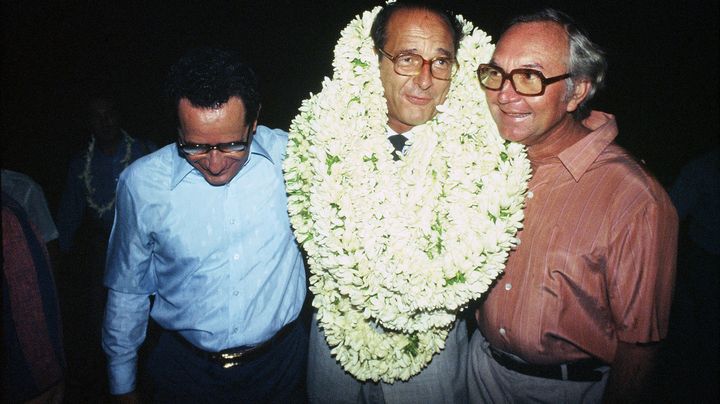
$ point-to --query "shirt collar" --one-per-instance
(408, 135)
(578, 157)
(181, 167)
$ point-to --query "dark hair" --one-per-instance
(586, 59)
(378, 32)
(208, 77)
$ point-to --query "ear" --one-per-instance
(581, 89)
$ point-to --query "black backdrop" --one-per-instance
(663, 78)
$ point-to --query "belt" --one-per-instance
(584, 370)
(228, 358)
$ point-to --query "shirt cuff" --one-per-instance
(122, 377)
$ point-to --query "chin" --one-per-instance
(216, 181)
(420, 119)
(513, 137)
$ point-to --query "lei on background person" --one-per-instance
(397, 248)
(86, 175)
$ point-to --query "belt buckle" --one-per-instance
(229, 365)
(231, 359)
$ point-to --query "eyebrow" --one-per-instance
(535, 66)
(443, 51)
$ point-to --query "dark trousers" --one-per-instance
(180, 375)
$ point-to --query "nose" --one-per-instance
(506, 93)
(215, 161)
(424, 78)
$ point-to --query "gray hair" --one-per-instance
(586, 61)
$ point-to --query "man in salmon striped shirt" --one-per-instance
(585, 298)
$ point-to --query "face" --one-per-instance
(212, 126)
(530, 120)
(104, 121)
(411, 100)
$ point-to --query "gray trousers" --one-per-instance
(443, 381)
(490, 382)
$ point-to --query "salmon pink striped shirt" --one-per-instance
(596, 263)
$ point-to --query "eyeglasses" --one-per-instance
(411, 64)
(528, 82)
(194, 149)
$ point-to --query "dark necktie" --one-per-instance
(398, 142)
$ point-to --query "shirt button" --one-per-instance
(508, 286)
(236, 293)
(235, 330)
(236, 257)
(232, 221)
(502, 331)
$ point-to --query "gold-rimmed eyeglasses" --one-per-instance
(411, 64)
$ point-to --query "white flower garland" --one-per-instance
(397, 248)
(86, 175)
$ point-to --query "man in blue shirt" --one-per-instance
(202, 225)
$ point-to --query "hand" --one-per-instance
(631, 373)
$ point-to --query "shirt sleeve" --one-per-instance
(130, 283)
(641, 272)
(126, 318)
(39, 212)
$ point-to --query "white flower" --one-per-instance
(397, 248)
(86, 175)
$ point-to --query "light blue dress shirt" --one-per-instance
(221, 261)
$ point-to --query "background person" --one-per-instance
(84, 219)
(33, 359)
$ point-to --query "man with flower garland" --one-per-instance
(84, 220)
(89, 195)
(202, 225)
(585, 299)
(415, 44)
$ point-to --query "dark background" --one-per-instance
(662, 86)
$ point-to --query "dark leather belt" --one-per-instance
(230, 357)
(584, 370)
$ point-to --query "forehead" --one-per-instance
(418, 29)
(542, 45)
(230, 110)
(212, 125)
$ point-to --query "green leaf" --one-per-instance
(412, 346)
(330, 160)
(458, 278)
(359, 63)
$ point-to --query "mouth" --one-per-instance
(418, 100)
(516, 115)
(218, 174)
